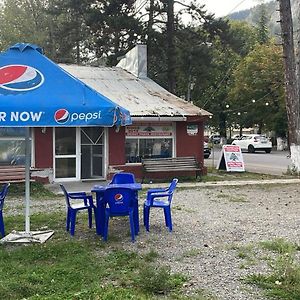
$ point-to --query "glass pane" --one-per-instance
(91, 161)
(97, 166)
(65, 167)
(92, 135)
(12, 152)
(136, 149)
(65, 141)
(131, 151)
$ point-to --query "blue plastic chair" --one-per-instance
(3, 194)
(161, 198)
(122, 177)
(75, 202)
(120, 202)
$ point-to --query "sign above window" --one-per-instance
(149, 129)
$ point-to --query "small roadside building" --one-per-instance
(164, 125)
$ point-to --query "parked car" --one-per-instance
(215, 138)
(207, 150)
(254, 142)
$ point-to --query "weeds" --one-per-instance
(80, 268)
(283, 280)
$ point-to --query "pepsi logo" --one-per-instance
(118, 197)
(20, 78)
(61, 116)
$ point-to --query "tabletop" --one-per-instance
(134, 186)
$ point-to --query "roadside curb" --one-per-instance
(227, 183)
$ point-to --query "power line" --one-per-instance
(240, 3)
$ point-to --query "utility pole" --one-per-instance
(291, 86)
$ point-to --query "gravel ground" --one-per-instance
(211, 226)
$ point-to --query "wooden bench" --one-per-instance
(12, 173)
(177, 164)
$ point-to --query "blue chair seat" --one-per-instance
(160, 198)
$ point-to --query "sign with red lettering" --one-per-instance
(231, 159)
(148, 130)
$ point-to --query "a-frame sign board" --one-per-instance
(231, 159)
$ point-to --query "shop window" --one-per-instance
(12, 146)
(148, 140)
(137, 149)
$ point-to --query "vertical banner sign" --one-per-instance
(231, 159)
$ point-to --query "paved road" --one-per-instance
(275, 163)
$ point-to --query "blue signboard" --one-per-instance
(35, 92)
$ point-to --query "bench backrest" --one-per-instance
(177, 163)
(12, 173)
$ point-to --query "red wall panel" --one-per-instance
(189, 145)
(43, 148)
(116, 146)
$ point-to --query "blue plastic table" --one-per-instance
(100, 203)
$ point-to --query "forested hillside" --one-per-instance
(252, 15)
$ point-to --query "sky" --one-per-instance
(224, 7)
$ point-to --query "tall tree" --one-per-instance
(114, 28)
(263, 34)
(23, 21)
(257, 90)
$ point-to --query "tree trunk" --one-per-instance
(291, 89)
(170, 48)
(298, 51)
(150, 29)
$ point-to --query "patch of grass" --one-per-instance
(221, 175)
(37, 191)
(232, 198)
(192, 252)
(280, 246)
(247, 254)
(158, 280)
(80, 267)
(237, 199)
(283, 281)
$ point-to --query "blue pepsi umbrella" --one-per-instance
(36, 92)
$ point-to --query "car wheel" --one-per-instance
(206, 156)
(268, 150)
(251, 149)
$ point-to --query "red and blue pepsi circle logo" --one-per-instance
(61, 116)
(20, 78)
(118, 197)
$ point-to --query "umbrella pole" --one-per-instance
(27, 180)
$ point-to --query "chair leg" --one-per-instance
(68, 219)
(132, 225)
(90, 213)
(167, 211)
(2, 230)
(146, 216)
(166, 218)
(136, 219)
(73, 221)
(105, 229)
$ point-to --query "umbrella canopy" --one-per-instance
(34, 92)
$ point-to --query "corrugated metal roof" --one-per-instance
(142, 97)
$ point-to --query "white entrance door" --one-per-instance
(78, 153)
(92, 152)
